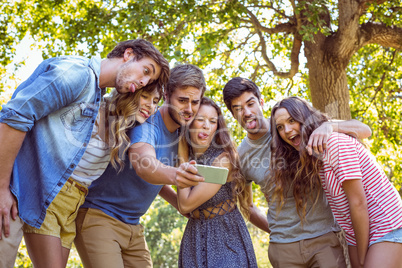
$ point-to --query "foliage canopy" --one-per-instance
(317, 49)
(344, 56)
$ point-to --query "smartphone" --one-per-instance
(212, 174)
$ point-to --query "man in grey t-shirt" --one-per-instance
(293, 243)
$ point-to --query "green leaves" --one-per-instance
(164, 228)
(376, 99)
(225, 39)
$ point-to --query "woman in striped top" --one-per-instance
(364, 202)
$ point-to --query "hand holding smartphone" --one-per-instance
(212, 174)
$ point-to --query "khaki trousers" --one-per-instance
(323, 251)
(103, 241)
(9, 245)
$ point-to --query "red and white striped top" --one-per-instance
(347, 159)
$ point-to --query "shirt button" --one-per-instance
(97, 99)
(47, 203)
(85, 145)
(72, 166)
(60, 184)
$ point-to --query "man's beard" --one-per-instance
(173, 114)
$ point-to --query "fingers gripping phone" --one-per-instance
(212, 174)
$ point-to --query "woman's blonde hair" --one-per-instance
(120, 111)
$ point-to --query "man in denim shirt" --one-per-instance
(45, 128)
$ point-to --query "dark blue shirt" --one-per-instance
(125, 196)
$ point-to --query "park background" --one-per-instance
(345, 57)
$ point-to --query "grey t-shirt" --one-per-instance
(286, 227)
(255, 156)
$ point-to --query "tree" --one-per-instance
(344, 56)
(330, 32)
(163, 232)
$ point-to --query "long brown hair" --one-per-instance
(223, 140)
(120, 114)
(290, 168)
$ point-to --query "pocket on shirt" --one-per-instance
(77, 117)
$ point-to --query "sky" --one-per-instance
(32, 56)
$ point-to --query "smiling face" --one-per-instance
(147, 105)
(183, 105)
(135, 74)
(247, 110)
(203, 128)
(288, 128)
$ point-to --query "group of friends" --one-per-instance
(78, 166)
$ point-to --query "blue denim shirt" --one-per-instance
(57, 107)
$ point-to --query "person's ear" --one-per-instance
(128, 54)
(262, 102)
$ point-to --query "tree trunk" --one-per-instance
(328, 81)
(329, 91)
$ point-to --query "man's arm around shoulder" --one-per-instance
(318, 139)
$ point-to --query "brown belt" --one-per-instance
(78, 186)
(210, 213)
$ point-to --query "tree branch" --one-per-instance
(241, 44)
(366, 3)
(270, 7)
(294, 58)
(379, 33)
(297, 16)
(348, 21)
(380, 86)
(255, 73)
(287, 27)
(396, 97)
(289, 86)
